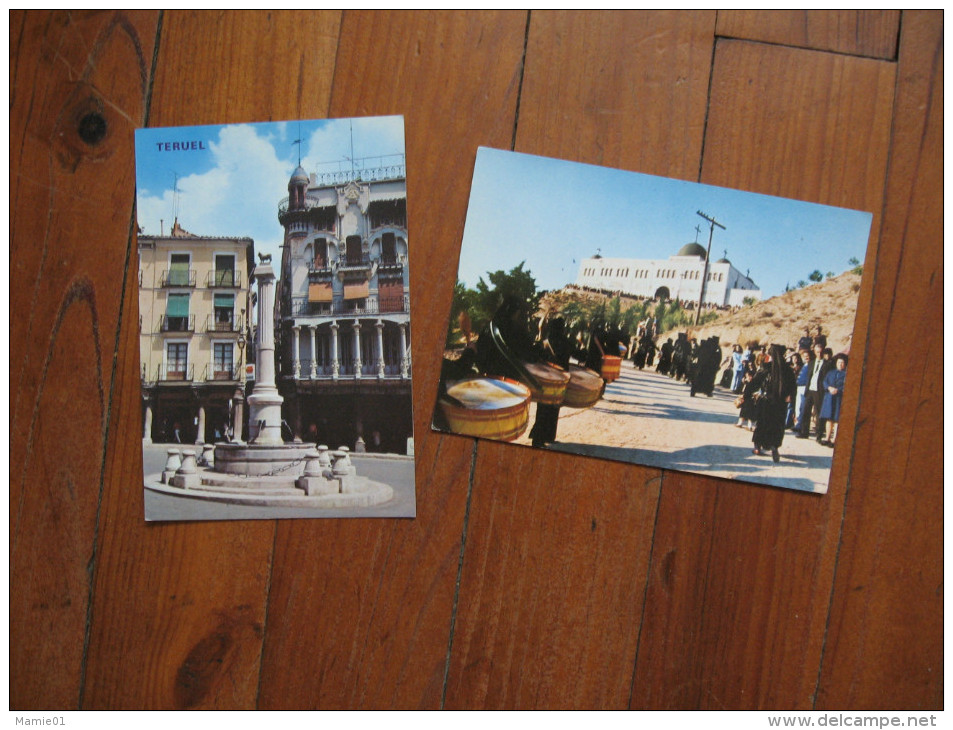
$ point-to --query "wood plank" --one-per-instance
(885, 643)
(179, 608)
(558, 549)
(741, 578)
(360, 610)
(77, 91)
(858, 32)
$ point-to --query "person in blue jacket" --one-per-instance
(833, 395)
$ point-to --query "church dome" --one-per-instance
(722, 261)
(691, 249)
(299, 176)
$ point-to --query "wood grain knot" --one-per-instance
(92, 128)
(208, 662)
(84, 129)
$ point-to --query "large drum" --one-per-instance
(490, 408)
(552, 381)
(611, 367)
(584, 388)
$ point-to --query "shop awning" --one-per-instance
(320, 292)
(356, 291)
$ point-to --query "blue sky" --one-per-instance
(553, 213)
(232, 187)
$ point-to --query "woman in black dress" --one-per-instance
(777, 390)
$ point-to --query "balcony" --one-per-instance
(321, 216)
(173, 372)
(221, 372)
(177, 324)
(320, 270)
(177, 277)
(354, 264)
(224, 279)
(387, 305)
(218, 325)
(390, 268)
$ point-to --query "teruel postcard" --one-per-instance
(274, 320)
(655, 321)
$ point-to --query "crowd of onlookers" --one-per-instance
(819, 385)
(778, 388)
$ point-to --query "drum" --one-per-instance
(584, 388)
(490, 408)
(611, 367)
(552, 380)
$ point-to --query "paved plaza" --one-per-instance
(397, 472)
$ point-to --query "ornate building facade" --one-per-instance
(193, 313)
(678, 277)
(343, 309)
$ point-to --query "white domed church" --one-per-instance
(678, 277)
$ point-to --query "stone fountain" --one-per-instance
(266, 470)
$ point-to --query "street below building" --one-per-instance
(397, 472)
(651, 419)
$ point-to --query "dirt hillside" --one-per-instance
(781, 319)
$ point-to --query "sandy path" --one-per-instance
(650, 419)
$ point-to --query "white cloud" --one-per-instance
(237, 197)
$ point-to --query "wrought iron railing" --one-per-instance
(233, 324)
(224, 278)
(222, 371)
(177, 277)
(346, 262)
(169, 323)
(388, 305)
(176, 372)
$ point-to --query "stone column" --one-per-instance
(200, 431)
(404, 360)
(314, 354)
(335, 365)
(357, 349)
(238, 413)
(147, 423)
(297, 352)
(380, 348)
(264, 403)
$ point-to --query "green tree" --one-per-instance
(816, 275)
(857, 267)
(463, 301)
(517, 282)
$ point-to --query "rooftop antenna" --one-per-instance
(351, 125)
(701, 295)
(298, 142)
(175, 196)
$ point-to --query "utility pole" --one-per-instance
(711, 232)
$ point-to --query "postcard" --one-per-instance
(660, 322)
(274, 320)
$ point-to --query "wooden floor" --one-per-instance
(528, 579)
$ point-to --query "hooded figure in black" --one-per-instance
(681, 356)
(665, 357)
(556, 349)
(777, 390)
(505, 342)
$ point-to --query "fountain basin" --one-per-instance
(286, 460)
